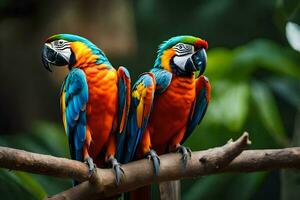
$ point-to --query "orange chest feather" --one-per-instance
(102, 85)
(172, 107)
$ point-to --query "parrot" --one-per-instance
(167, 103)
(94, 101)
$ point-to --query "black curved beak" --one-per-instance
(197, 62)
(50, 56)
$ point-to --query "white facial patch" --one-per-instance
(180, 61)
(63, 48)
(182, 49)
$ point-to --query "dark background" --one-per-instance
(253, 70)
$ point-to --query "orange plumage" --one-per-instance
(95, 100)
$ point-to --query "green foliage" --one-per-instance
(45, 138)
(231, 186)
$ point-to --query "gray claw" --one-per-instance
(186, 154)
(119, 172)
(92, 167)
(151, 155)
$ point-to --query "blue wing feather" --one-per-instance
(74, 96)
(123, 108)
(163, 79)
(200, 106)
(141, 103)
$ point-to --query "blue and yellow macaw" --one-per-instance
(167, 103)
(95, 100)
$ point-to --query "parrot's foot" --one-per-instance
(90, 163)
(119, 172)
(151, 155)
(186, 153)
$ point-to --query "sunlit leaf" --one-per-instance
(292, 31)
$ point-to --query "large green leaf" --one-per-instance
(268, 112)
(267, 55)
(229, 105)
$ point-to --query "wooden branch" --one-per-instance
(140, 173)
(15, 159)
(227, 158)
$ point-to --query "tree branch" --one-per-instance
(15, 159)
(227, 158)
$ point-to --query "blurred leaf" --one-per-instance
(246, 191)
(292, 31)
(46, 133)
(15, 189)
(290, 184)
(46, 138)
(229, 105)
(268, 112)
(231, 186)
(31, 185)
(219, 63)
(286, 88)
(267, 55)
(290, 9)
(206, 187)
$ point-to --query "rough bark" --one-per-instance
(229, 158)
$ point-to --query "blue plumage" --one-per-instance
(134, 130)
(123, 106)
(199, 112)
(163, 79)
(74, 96)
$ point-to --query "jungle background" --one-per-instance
(253, 67)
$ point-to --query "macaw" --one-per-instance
(95, 100)
(167, 103)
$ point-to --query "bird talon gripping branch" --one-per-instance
(119, 172)
(151, 155)
(91, 165)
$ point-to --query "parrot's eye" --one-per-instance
(180, 46)
(60, 44)
(183, 49)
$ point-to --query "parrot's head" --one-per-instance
(182, 55)
(73, 51)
